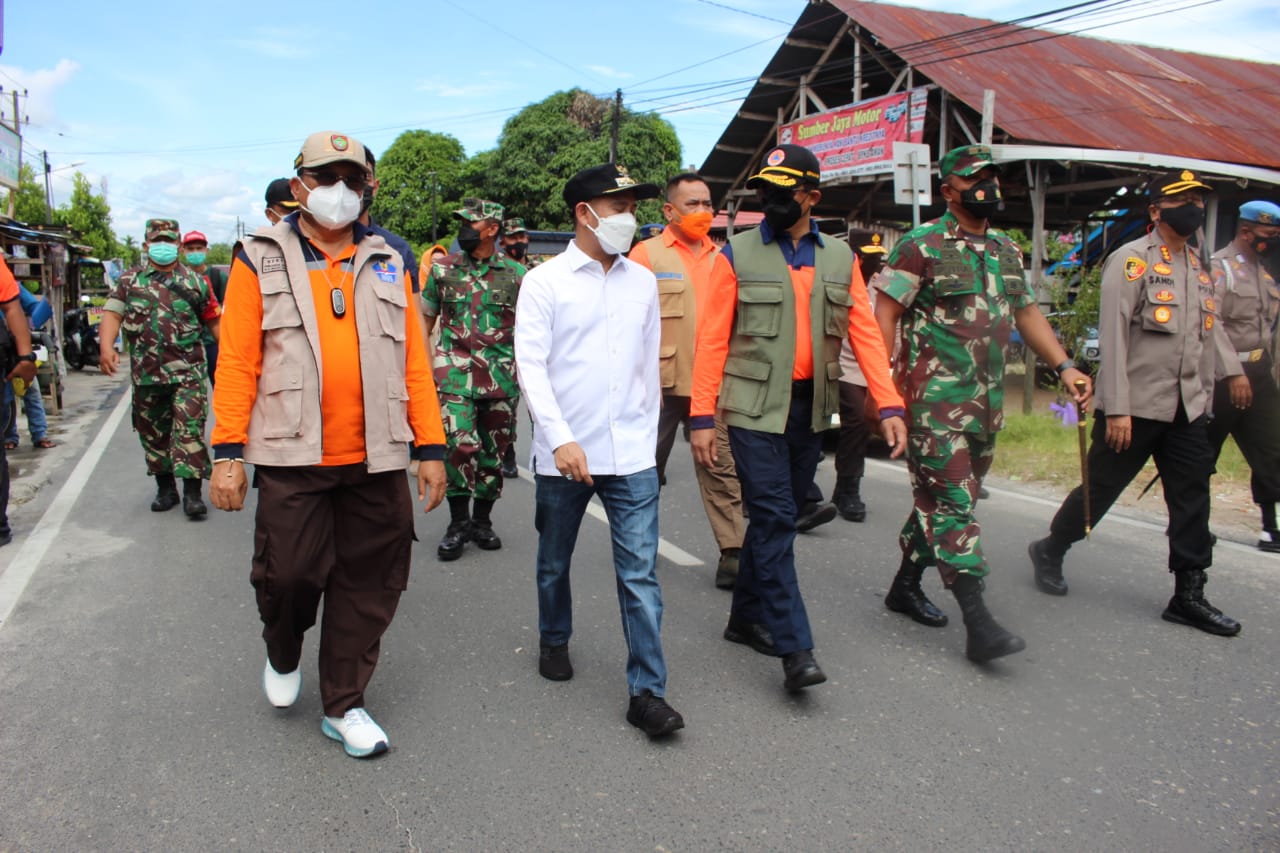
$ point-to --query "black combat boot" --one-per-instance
(1046, 558)
(906, 596)
(987, 639)
(192, 503)
(848, 499)
(459, 531)
(166, 493)
(482, 528)
(1189, 606)
(727, 568)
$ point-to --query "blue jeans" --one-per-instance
(631, 503)
(33, 404)
(776, 472)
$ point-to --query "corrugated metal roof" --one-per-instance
(1081, 91)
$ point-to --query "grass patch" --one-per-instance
(1039, 448)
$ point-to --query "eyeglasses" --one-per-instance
(355, 183)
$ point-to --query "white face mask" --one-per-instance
(614, 232)
(333, 207)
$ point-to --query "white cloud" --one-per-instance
(442, 89)
(606, 71)
(41, 85)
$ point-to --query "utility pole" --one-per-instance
(434, 186)
(617, 119)
(48, 192)
(17, 129)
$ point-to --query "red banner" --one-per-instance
(858, 139)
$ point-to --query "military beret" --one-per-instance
(1261, 212)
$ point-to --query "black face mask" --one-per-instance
(516, 251)
(1265, 247)
(468, 238)
(982, 199)
(1184, 220)
(366, 200)
(781, 210)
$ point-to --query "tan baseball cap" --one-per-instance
(327, 147)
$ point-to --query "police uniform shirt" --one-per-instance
(1159, 332)
(1249, 300)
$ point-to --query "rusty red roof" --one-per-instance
(1088, 92)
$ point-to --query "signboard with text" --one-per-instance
(858, 139)
(10, 151)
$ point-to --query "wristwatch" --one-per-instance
(28, 357)
(1065, 366)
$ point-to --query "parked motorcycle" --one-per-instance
(80, 335)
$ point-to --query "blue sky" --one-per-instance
(190, 109)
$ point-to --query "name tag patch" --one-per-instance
(666, 275)
(273, 263)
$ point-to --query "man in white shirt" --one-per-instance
(587, 337)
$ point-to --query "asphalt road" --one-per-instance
(132, 715)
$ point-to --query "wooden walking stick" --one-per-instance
(1082, 431)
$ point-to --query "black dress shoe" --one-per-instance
(484, 537)
(653, 716)
(751, 634)
(801, 671)
(554, 663)
(813, 515)
(194, 507)
(1048, 568)
(455, 539)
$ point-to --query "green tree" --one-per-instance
(130, 252)
(407, 171)
(219, 253)
(89, 216)
(29, 201)
(544, 144)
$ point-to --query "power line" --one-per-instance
(742, 11)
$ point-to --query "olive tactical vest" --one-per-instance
(755, 392)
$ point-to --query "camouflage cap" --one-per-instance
(966, 160)
(514, 225)
(163, 228)
(1172, 183)
(476, 209)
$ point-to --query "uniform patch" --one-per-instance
(1209, 304)
(339, 142)
(1165, 255)
(384, 271)
(1163, 315)
(776, 156)
(1204, 278)
(1163, 268)
(1134, 268)
(273, 263)
(1208, 322)
(1164, 296)
(665, 275)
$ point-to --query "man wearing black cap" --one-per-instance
(782, 299)
(587, 339)
(1160, 336)
(280, 200)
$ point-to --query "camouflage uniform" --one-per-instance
(161, 320)
(960, 298)
(475, 302)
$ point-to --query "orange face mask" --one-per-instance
(695, 225)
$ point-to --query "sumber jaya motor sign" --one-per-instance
(858, 139)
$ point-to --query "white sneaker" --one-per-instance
(282, 689)
(361, 737)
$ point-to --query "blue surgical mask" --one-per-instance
(162, 254)
(196, 258)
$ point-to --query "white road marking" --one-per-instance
(23, 566)
(666, 549)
